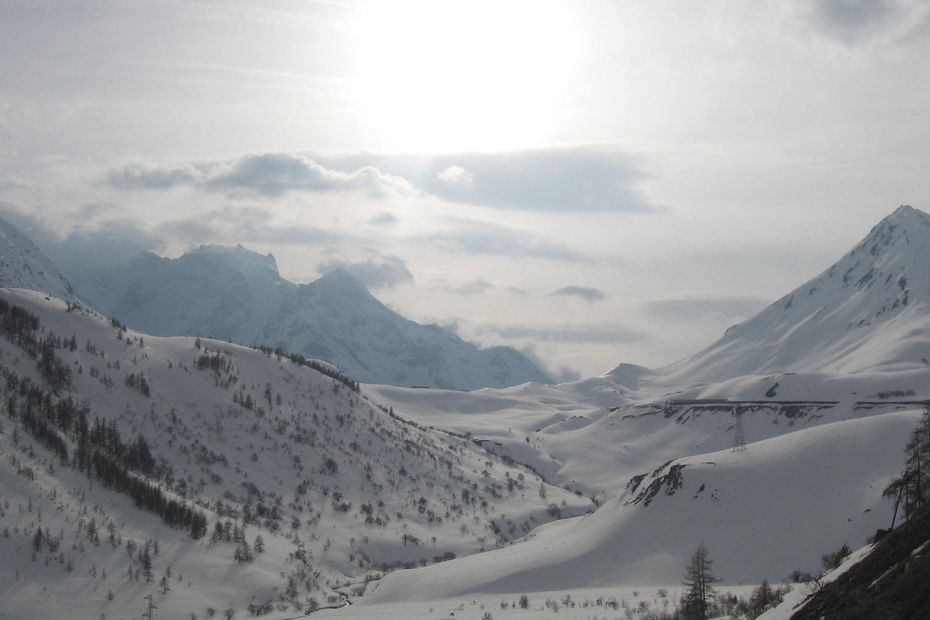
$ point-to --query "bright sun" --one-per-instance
(448, 75)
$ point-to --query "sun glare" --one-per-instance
(438, 75)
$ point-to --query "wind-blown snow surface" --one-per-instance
(763, 512)
(336, 486)
(23, 265)
(236, 294)
(826, 382)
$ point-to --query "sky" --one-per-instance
(591, 182)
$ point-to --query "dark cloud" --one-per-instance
(853, 21)
(476, 237)
(566, 332)
(269, 174)
(695, 308)
(137, 176)
(383, 271)
(586, 293)
(237, 224)
(92, 210)
(560, 180)
(579, 179)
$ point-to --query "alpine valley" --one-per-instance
(158, 458)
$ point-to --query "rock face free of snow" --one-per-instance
(236, 294)
(23, 265)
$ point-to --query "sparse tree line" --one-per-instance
(911, 488)
(23, 329)
(99, 450)
(95, 447)
(329, 371)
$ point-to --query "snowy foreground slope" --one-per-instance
(764, 512)
(337, 488)
(232, 293)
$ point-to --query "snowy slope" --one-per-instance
(592, 435)
(236, 294)
(762, 513)
(337, 487)
(827, 384)
(23, 265)
(866, 313)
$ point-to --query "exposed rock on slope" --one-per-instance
(889, 583)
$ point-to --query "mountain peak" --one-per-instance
(848, 318)
(342, 280)
(902, 237)
(238, 256)
(905, 211)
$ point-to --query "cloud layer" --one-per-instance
(587, 293)
(486, 238)
(582, 179)
(268, 174)
(857, 21)
(687, 308)
(566, 332)
(376, 272)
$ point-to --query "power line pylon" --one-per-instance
(150, 612)
(739, 438)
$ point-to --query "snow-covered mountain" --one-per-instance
(23, 265)
(866, 313)
(236, 294)
(121, 451)
(227, 293)
(337, 319)
(826, 385)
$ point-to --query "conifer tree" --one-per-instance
(698, 581)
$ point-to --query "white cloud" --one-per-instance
(268, 174)
(456, 176)
(375, 272)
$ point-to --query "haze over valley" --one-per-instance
(420, 309)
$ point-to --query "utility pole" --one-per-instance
(150, 612)
(739, 439)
